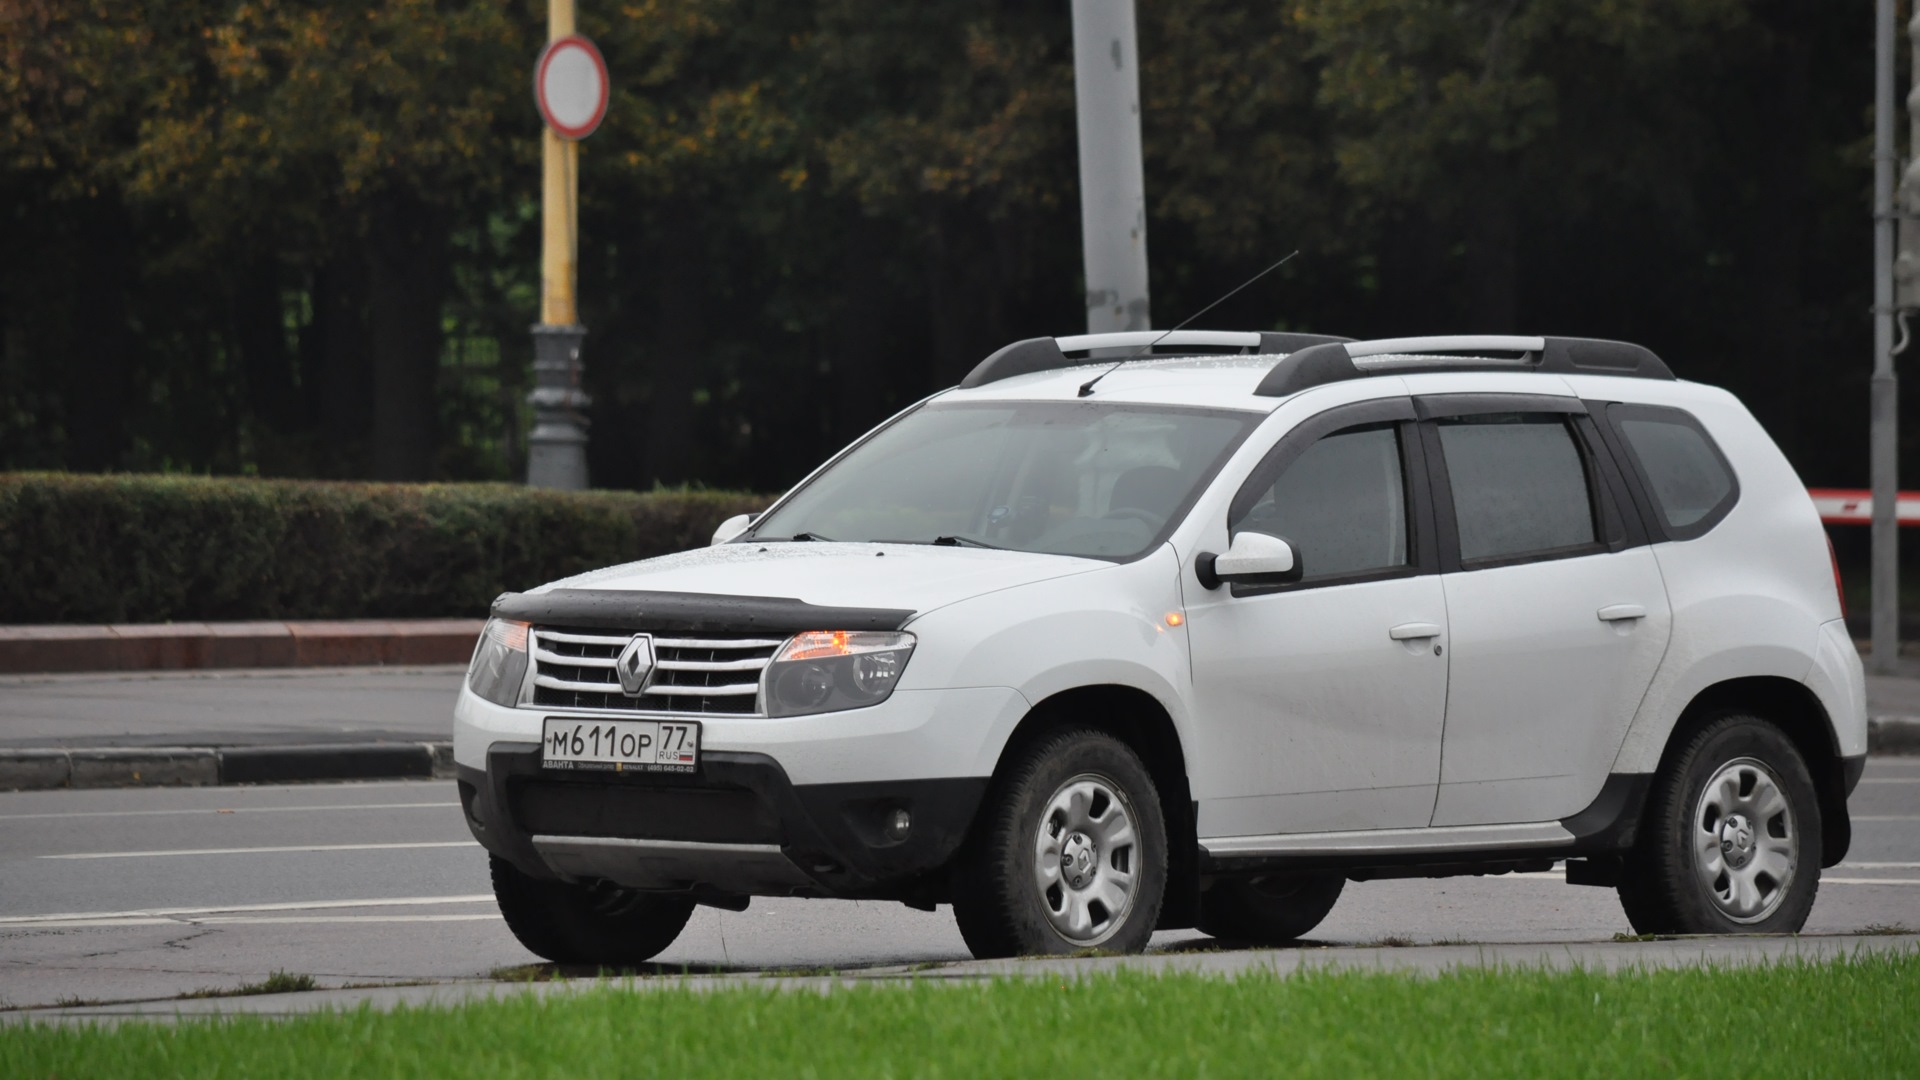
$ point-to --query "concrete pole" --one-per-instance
(1883, 432)
(1113, 191)
(557, 446)
(1906, 262)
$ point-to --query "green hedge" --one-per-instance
(91, 549)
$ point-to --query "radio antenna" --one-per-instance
(1086, 388)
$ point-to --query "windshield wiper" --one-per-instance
(803, 536)
(964, 541)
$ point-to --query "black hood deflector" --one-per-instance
(627, 609)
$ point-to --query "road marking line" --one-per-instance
(1850, 865)
(1556, 875)
(225, 810)
(244, 920)
(261, 850)
(1886, 817)
(286, 905)
(232, 810)
(1891, 780)
(92, 923)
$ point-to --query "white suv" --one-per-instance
(1194, 642)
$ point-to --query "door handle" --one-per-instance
(1618, 612)
(1414, 631)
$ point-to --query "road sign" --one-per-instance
(570, 86)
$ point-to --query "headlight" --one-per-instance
(499, 662)
(825, 670)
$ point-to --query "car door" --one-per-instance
(1320, 703)
(1556, 608)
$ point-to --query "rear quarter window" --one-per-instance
(1683, 471)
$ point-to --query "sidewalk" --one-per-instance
(226, 727)
(262, 702)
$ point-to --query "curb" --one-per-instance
(194, 645)
(1893, 735)
(206, 766)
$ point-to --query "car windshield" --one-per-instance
(1066, 478)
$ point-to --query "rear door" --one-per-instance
(1557, 612)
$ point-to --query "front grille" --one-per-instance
(692, 673)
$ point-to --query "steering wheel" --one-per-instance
(1134, 513)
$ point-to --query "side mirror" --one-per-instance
(1252, 558)
(732, 527)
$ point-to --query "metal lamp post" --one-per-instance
(1883, 433)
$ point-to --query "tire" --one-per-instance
(1730, 841)
(1070, 853)
(1268, 910)
(580, 924)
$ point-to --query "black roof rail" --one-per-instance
(1050, 354)
(1323, 364)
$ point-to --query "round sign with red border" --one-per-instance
(570, 86)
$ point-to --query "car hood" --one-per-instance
(917, 577)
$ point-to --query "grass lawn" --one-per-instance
(1854, 1018)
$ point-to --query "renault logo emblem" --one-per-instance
(634, 665)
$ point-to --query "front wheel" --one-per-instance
(1731, 839)
(582, 924)
(1070, 853)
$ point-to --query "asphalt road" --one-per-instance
(148, 893)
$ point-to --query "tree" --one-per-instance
(226, 221)
(338, 145)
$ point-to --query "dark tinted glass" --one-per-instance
(1342, 503)
(1519, 486)
(1686, 476)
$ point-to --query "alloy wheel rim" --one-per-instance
(1745, 841)
(1086, 863)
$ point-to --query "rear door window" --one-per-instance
(1684, 473)
(1519, 486)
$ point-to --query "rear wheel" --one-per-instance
(1730, 843)
(1070, 853)
(583, 924)
(1268, 910)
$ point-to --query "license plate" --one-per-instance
(570, 742)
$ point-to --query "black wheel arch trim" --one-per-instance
(1793, 708)
(1137, 718)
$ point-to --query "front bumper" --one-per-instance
(914, 733)
(737, 827)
